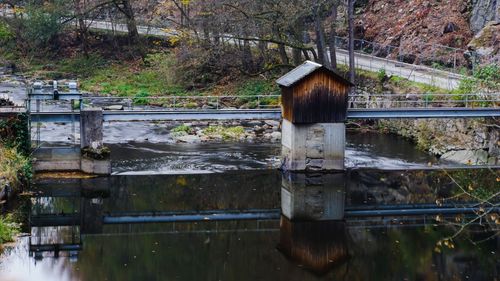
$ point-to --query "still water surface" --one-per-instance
(241, 178)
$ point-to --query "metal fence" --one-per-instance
(264, 102)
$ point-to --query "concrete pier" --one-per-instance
(91, 128)
(313, 147)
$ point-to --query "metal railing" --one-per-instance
(185, 102)
(443, 57)
(265, 102)
(480, 100)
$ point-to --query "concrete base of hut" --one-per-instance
(313, 147)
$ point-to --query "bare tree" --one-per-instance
(352, 70)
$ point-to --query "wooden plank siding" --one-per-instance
(318, 98)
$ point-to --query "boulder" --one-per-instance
(468, 157)
(189, 139)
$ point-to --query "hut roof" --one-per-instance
(303, 70)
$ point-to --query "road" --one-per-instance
(416, 73)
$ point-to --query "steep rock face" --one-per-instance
(487, 42)
(418, 26)
(483, 11)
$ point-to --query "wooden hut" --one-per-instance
(312, 93)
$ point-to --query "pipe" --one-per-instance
(190, 218)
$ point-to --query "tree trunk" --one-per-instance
(82, 28)
(320, 37)
(297, 56)
(333, 34)
(283, 55)
(128, 11)
(352, 70)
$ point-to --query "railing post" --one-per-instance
(466, 100)
(217, 104)
(258, 102)
(175, 103)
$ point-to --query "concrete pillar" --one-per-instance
(313, 197)
(313, 147)
(91, 127)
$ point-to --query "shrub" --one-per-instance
(381, 75)
(8, 229)
(14, 167)
(5, 33)
(181, 128)
(43, 24)
(141, 98)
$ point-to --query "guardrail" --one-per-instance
(264, 102)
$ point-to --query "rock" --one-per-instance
(483, 11)
(254, 123)
(113, 107)
(189, 139)
(450, 27)
(485, 43)
(469, 157)
(273, 123)
(275, 136)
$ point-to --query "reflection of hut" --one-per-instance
(313, 196)
(317, 245)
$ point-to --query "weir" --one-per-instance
(88, 156)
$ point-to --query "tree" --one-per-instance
(352, 70)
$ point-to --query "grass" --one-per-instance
(15, 168)
(8, 229)
(152, 77)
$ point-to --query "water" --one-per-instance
(363, 150)
(296, 240)
(395, 248)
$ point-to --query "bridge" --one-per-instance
(266, 107)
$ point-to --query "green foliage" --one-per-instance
(258, 87)
(14, 166)
(381, 75)
(182, 129)
(5, 33)
(82, 66)
(227, 133)
(8, 229)
(119, 79)
(488, 73)
(43, 23)
(141, 98)
(484, 78)
(14, 132)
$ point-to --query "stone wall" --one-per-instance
(467, 141)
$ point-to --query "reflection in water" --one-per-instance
(310, 233)
(317, 245)
(312, 230)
